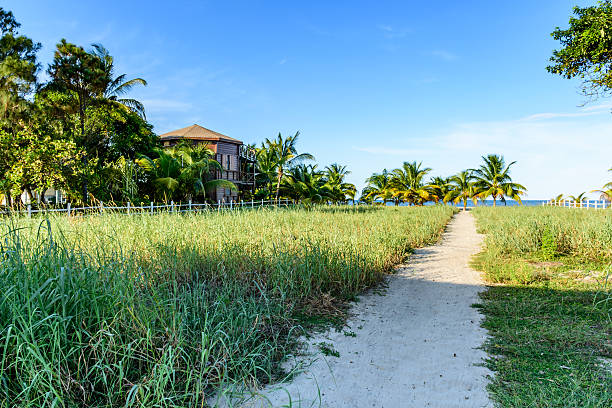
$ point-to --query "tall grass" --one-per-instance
(162, 310)
(586, 234)
(549, 312)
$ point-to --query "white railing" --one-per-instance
(152, 208)
(589, 204)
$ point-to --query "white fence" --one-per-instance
(592, 204)
(152, 208)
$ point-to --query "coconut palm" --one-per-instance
(578, 198)
(285, 155)
(606, 191)
(115, 87)
(462, 189)
(441, 186)
(306, 184)
(493, 179)
(335, 175)
(184, 168)
(378, 187)
(407, 184)
(557, 198)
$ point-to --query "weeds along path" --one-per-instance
(415, 345)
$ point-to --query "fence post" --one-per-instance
(252, 203)
(218, 205)
(101, 207)
(231, 204)
(262, 202)
(68, 208)
(190, 205)
(172, 206)
(151, 207)
(128, 209)
(29, 210)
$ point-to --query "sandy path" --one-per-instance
(416, 346)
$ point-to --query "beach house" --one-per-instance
(236, 159)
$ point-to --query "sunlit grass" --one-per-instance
(162, 310)
(549, 309)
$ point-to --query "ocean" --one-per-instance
(487, 203)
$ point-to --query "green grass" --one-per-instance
(165, 310)
(549, 309)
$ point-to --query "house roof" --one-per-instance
(197, 132)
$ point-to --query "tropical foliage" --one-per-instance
(183, 171)
(585, 52)
(493, 180)
(407, 184)
(283, 173)
(74, 132)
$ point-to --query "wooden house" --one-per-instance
(237, 160)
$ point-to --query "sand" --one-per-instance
(416, 344)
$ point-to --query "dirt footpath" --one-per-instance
(416, 345)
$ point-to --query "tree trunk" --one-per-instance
(84, 159)
(464, 204)
(494, 201)
(278, 181)
(9, 199)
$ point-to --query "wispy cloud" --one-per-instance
(283, 61)
(586, 111)
(163, 105)
(443, 54)
(554, 155)
(391, 32)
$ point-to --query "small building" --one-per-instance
(237, 159)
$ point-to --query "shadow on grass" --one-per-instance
(547, 344)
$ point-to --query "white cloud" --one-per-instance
(391, 32)
(283, 61)
(555, 152)
(443, 54)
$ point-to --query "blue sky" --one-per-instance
(368, 84)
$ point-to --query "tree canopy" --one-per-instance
(586, 49)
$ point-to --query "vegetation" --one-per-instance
(493, 180)
(163, 310)
(81, 133)
(407, 185)
(70, 132)
(549, 312)
(585, 51)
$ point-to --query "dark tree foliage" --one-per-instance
(586, 51)
(18, 69)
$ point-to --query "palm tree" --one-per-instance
(285, 155)
(265, 168)
(165, 171)
(198, 167)
(442, 186)
(606, 191)
(493, 179)
(378, 187)
(557, 198)
(407, 184)
(335, 175)
(306, 184)
(577, 199)
(462, 188)
(115, 87)
(185, 168)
